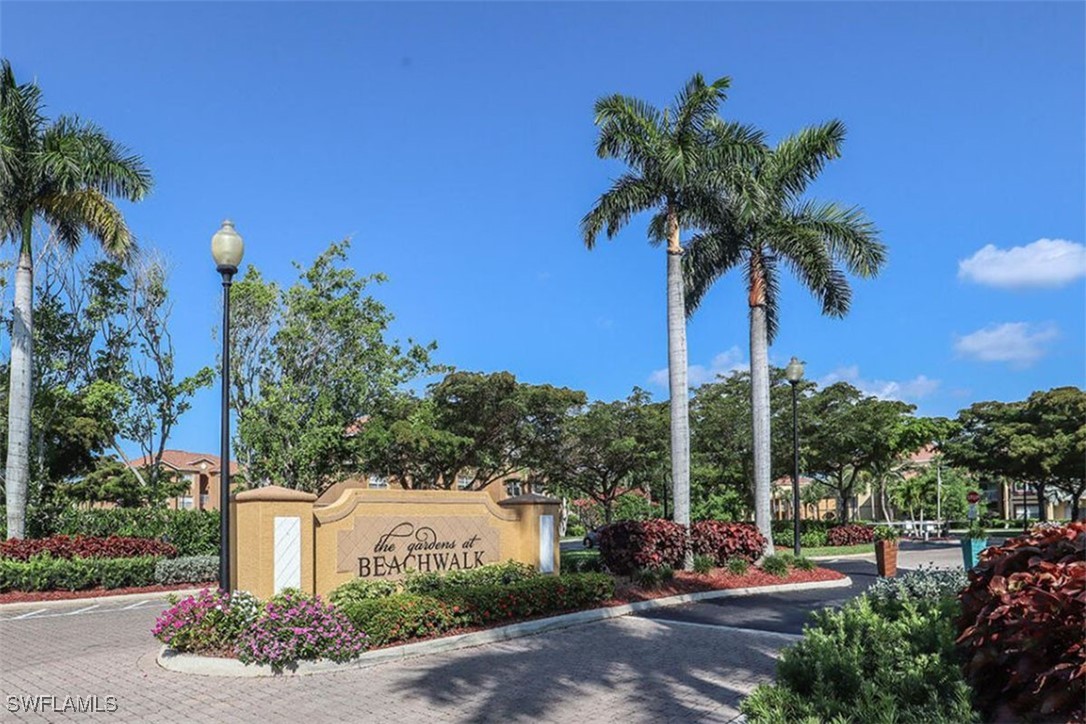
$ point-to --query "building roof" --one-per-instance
(187, 461)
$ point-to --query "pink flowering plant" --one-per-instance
(211, 622)
(295, 627)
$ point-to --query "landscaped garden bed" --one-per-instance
(59, 566)
(371, 614)
(1002, 643)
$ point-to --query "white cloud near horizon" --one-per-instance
(1019, 344)
(728, 361)
(1044, 263)
(904, 390)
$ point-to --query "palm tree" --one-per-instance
(676, 159)
(63, 173)
(762, 224)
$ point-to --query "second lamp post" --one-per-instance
(794, 373)
(227, 249)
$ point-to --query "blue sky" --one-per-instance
(454, 142)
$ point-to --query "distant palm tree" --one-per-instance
(763, 224)
(63, 173)
(676, 159)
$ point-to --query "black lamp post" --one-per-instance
(794, 373)
(227, 248)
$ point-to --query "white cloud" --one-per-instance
(905, 390)
(1044, 263)
(725, 363)
(1020, 344)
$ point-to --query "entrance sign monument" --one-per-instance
(283, 539)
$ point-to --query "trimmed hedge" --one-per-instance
(482, 605)
(724, 541)
(581, 562)
(192, 532)
(399, 617)
(492, 574)
(188, 569)
(1022, 622)
(631, 545)
(850, 535)
(45, 573)
(62, 546)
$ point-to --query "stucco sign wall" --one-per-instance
(382, 534)
(383, 547)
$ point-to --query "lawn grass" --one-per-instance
(836, 550)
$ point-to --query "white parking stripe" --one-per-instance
(134, 605)
(28, 615)
(81, 610)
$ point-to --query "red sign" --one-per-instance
(973, 496)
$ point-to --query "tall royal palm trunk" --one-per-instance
(759, 399)
(677, 385)
(20, 392)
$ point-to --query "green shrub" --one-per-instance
(854, 665)
(653, 577)
(45, 573)
(193, 532)
(777, 565)
(738, 566)
(363, 589)
(490, 574)
(581, 562)
(187, 569)
(924, 588)
(400, 617)
(703, 563)
(804, 564)
(540, 595)
(815, 538)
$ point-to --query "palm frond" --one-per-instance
(90, 211)
(77, 155)
(798, 159)
(628, 195)
(848, 234)
(804, 250)
(629, 129)
(709, 256)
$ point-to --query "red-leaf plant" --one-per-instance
(1022, 625)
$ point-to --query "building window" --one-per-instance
(1032, 511)
(378, 482)
(203, 500)
(186, 502)
(512, 488)
(463, 482)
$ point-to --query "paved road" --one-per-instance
(688, 664)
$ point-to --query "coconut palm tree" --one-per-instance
(764, 224)
(62, 173)
(677, 159)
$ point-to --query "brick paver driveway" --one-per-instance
(629, 669)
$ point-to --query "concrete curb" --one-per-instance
(121, 598)
(211, 666)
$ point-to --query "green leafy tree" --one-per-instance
(723, 440)
(471, 430)
(1040, 441)
(676, 158)
(606, 450)
(116, 482)
(763, 224)
(325, 365)
(848, 434)
(63, 173)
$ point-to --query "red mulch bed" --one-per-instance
(717, 580)
(33, 596)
